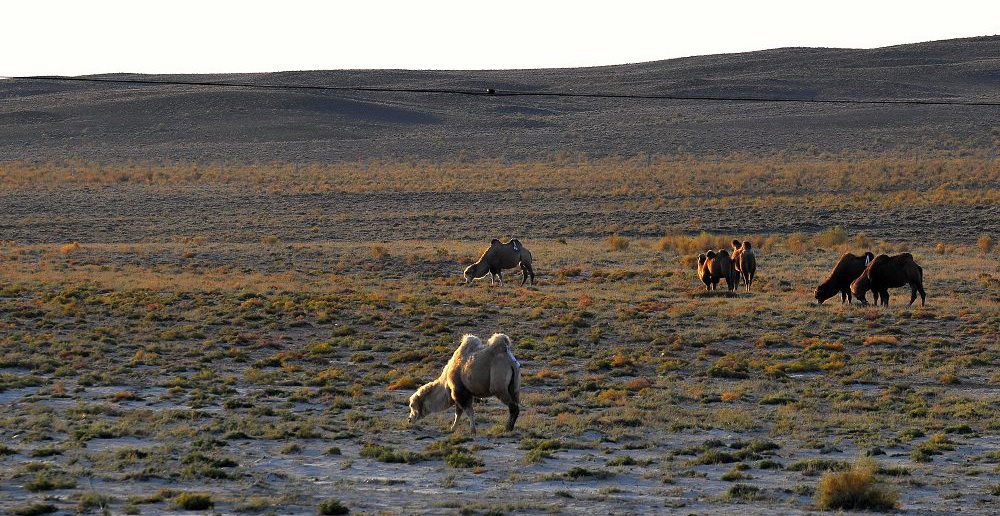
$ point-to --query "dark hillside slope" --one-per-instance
(42, 120)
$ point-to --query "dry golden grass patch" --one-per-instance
(617, 243)
(69, 248)
(856, 489)
(872, 340)
(403, 382)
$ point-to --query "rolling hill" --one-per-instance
(52, 120)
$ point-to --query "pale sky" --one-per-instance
(74, 37)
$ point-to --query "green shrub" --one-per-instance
(733, 475)
(193, 501)
(45, 481)
(714, 457)
(576, 473)
(462, 459)
(332, 506)
(33, 509)
(92, 500)
(815, 466)
(387, 454)
(744, 492)
(623, 460)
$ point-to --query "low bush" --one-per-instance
(856, 489)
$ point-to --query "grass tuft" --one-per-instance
(856, 489)
(193, 501)
(331, 506)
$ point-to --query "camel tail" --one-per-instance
(514, 387)
(510, 353)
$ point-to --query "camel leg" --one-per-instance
(471, 414)
(885, 298)
(511, 399)
(500, 275)
(531, 272)
(458, 414)
(923, 295)
(513, 411)
(524, 274)
(463, 404)
(913, 294)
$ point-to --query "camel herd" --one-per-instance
(478, 370)
(852, 276)
(716, 266)
(858, 274)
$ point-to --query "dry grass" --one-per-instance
(618, 352)
(681, 176)
(617, 243)
(225, 360)
(856, 489)
(69, 248)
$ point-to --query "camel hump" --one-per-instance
(723, 252)
(710, 254)
(701, 259)
(469, 346)
(500, 343)
(495, 241)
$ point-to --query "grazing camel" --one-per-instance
(704, 272)
(737, 250)
(885, 272)
(721, 266)
(843, 274)
(474, 371)
(746, 264)
(502, 256)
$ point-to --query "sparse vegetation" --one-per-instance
(219, 356)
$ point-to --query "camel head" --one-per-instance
(416, 408)
(860, 286)
(430, 398)
(476, 270)
(824, 292)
